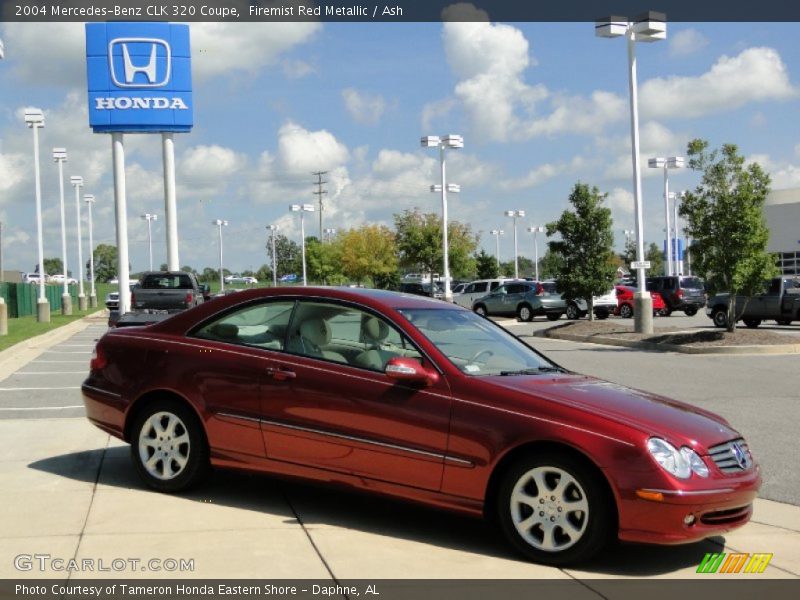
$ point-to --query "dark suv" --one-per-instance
(679, 292)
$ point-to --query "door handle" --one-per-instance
(280, 374)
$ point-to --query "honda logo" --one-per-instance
(139, 56)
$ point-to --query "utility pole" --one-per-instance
(320, 192)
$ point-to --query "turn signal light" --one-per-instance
(650, 495)
(98, 359)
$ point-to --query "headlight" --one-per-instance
(680, 463)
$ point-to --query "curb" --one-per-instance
(782, 349)
(20, 354)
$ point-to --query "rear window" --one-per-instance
(167, 282)
(692, 283)
(549, 286)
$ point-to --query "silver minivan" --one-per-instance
(477, 289)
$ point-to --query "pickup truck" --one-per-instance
(779, 302)
(158, 295)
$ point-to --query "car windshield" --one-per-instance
(475, 345)
(692, 283)
(167, 282)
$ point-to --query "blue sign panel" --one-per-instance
(140, 77)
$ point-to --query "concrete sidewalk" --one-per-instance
(70, 491)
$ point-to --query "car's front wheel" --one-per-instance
(554, 509)
(525, 312)
(626, 311)
(720, 317)
(168, 446)
(480, 309)
(573, 312)
(691, 311)
(752, 323)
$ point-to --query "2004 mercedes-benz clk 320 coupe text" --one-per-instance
(423, 400)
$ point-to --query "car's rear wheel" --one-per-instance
(601, 314)
(554, 509)
(480, 309)
(752, 323)
(666, 311)
(553, 316)
(720, 317)
(626, 311)
(168, 446)
(691, 311)
(573, 312)
(525, 312)
(784, 321)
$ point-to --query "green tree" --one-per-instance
(105, 262)
(486, 265)
(289, 256)
(525, 267)
(188, 269)
(724, 216)
(656, 257)
(53, 266)
(419, 243)
(163, 267)
(586, 245)
(368, 252)
(551, 265)
(323, 261)
(629, 253)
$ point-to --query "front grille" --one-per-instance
(727, 517)
(732, 457)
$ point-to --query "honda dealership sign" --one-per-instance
(140, 77)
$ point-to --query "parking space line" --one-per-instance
(31, 389)
(41, 408)
(83, 362)
(50, 373)
(66, 352)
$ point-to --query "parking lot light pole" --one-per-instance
(535, 231)
(273, 229)
(60, 157)
(302, 209)
(89, 199)
(149, 217)
(452, 141)
(648, 27)
(329, 233)
(77, 182)
(34, 118)
(671, 162)
(497, 233)
(220, 224)
(515, 214)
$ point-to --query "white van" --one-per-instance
(477, 289)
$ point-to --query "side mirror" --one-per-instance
(410, 370)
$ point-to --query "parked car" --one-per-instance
(32, 278)
(422, 400)
(418, 288)
(603, 306)
(458, 288)
(523, 299)
(160, 294)
(239, 279)
(59, 278)
(780, 302)
(679, 292)
(625, 301)
(477, 289)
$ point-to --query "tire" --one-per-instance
(184, 463)
(784, 321)
(691, 311)
(720, 317)
(551, 524)
(602, 314)
(752, 323)
(480, 309)
(553, 316)
(626, 311)
(525, 312)
(573, 312)
(666, 311)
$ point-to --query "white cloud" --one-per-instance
(576, 114)
(756, 74)
(205, 171)
(783, 174)
(297, 69)
(542, 173)
(47, 53)
(686, 42)
(620, 201)
(366, 109)
(434, 111)
(303, 152)
(655, 139)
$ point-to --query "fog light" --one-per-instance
(688, 520)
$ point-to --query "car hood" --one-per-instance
(651, 414)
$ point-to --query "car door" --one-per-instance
(340, 412)
(515, 293)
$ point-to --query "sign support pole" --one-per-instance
(121, 210)
(170, 205)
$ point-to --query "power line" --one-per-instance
(320, 193)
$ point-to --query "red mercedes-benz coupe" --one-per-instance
(427, 401)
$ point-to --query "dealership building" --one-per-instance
(782, 213)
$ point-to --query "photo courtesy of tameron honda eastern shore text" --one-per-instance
(423, 400)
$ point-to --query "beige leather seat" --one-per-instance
(314, 336)
(374, 332)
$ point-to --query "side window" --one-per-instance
(493, 285)
(262, 325)
(470, 288)
(517, 288)
(346, 335)
(774, 287)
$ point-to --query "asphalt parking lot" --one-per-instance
(71, 491)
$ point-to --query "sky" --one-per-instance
(541, 106)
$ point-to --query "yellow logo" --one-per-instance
(738, 562)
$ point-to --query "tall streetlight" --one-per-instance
(648, 27)
(34, 118)
(273, 229)
(497, 233)
(150, 217)
(302, 209)
(77, 182)
(515, 214)
(220, 224)
(453, 141)
(329, 233)
(60, 157)
(670, 162)
(535, 231)
(89, 199)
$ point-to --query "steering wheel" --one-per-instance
(478, 354)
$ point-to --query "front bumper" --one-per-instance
(684, 516)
